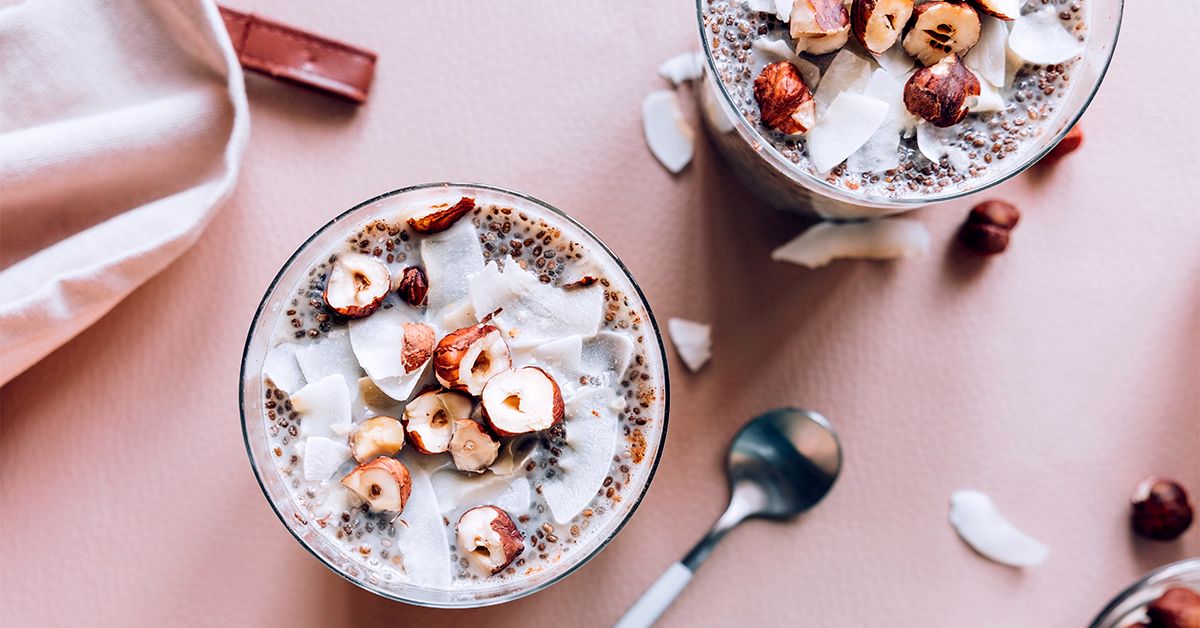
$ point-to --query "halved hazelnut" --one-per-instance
(418, 346)
(1161, 509)
(939, 93)
(522, 400)
(941, 29)
(472, 448)
(877, 24)
(413, 287)
(375, 437)
(819, 26)
(384, 483)
(441, 217)
(357, 284)
(784, 101)
(467, 358)
(488, 538)
(429, 418)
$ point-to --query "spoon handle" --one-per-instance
(657, 598)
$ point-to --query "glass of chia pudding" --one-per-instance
(454, 395)
(861, 108)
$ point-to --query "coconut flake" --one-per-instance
(323, 404)
(981, 526)
(692, 340)
(988, 100)
(421, 540)
(607, 355)
(457, 490)
(761, 6)
(935, 143)
(670, 138)
(532, 312)
(327, 356)
(591, 441)
(378, 343)
(280, 366)
(847, 73)
(323, 456)
(1040, 38)
(850, 121)
(449, 258)
(783, 9)
(895, 60)
(988, 56)
(882, 150)
(880, 239)
(563, 358)
(683, 67)
(783, 51)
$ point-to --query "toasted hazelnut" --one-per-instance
(1177, 607)
(418, 346)
(488, 538)
(987, 227)
(384, 483)
(429, 418)
(357, 285)
(941, 29)
(375, 437)
(819, 26)
(472, 448)
(877, 24)
(1007, 10)
(1161, 509)
(442, 217)
(467, 358)
(1070, 143)
(784, 102)
(414, 286)
(939, 93)
(522, 400)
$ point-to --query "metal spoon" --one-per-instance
(779, 465)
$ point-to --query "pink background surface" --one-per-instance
(1053, 377)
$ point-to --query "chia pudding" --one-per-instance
(461, 395)
(847, 122)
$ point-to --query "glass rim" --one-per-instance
(662, 433)
(750, 133)
(1152, 577)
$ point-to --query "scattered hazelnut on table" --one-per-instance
(414, 286)
(1161, 509)
(987, 227)
(784, 101)
(1069, 144)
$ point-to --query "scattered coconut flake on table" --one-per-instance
(378, 343)
(981, 526)
(988, 56)
(683, 67)
(1041, 38)
(692, 340)
(850, 121)
(880, 239)
(450, 257)
(281, 367)
(882, 150)
(935, 143)
(782, 50)
(322, 457)
(591, 440)
(323, 404)
(847, 73)
(670, 138)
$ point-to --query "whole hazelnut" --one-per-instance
(1161, 509)
(939, 93)
(987, 226)
(1177, 607)
(1070, 143)
(413, 286)
(784, 101)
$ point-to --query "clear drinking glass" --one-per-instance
(1127, 608)
(787, 186)
(273, 483)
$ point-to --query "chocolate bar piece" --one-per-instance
(300, 57)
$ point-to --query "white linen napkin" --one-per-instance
(122, 127)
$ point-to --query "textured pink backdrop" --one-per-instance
(1053, 377)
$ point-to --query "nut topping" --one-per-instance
(472, 448)
(941, 29)
(877, 24)
(488, 538)
(418, 346)
(819, 26)
(939, 93)
(442, 217)
(357, 285)
(384, 483)
(375, 437)
(430, 417)
(784, 101)
(467, 358)
(414, 286)
(522, 400)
